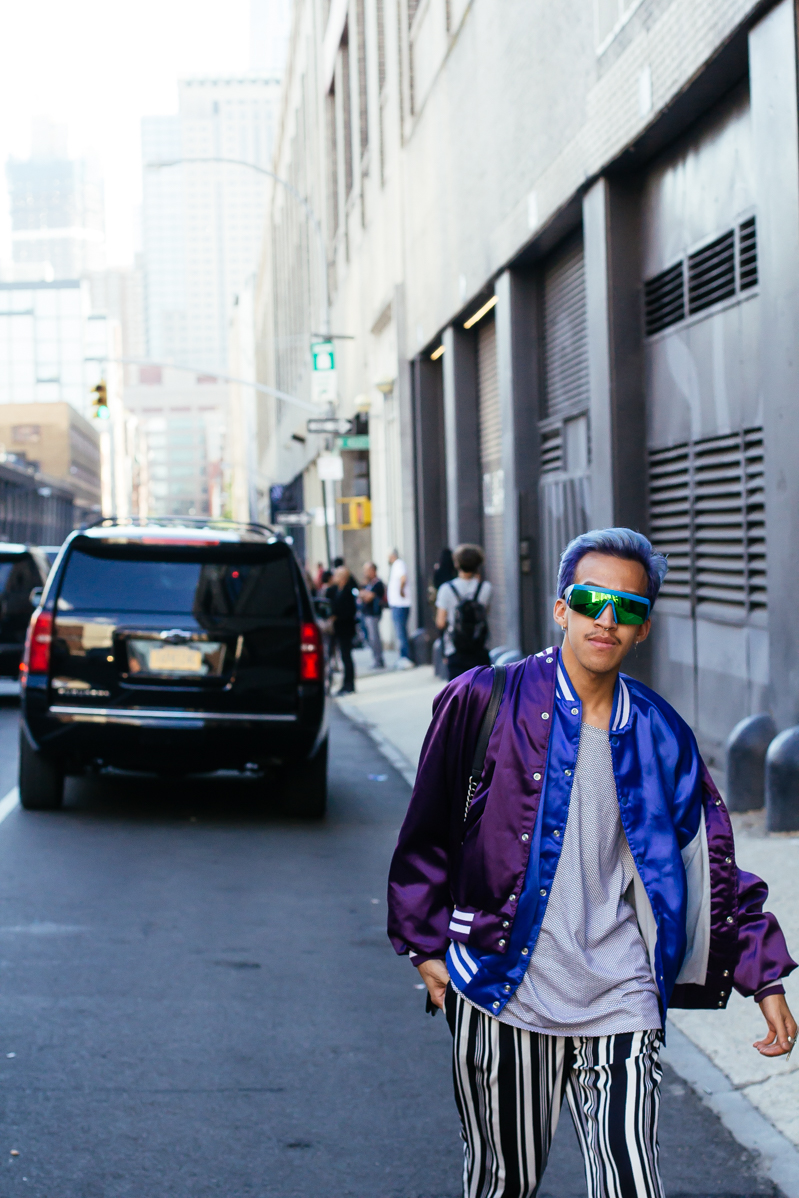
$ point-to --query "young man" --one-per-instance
(590, 884)
(471, 650)
(372, 597)
(399, 600)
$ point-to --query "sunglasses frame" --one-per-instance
(612, 595)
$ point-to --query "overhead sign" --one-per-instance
(337, 425)
(323, 376)
(292, 518)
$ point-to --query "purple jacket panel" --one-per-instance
(425, 879)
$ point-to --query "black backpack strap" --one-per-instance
(455, 591)
(484, 735)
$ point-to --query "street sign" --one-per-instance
(323, 376)
(358, 441)
(337, 425)
(330, 467)
(292, 518)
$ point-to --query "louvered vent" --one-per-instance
(664, 299)
(707, 512)
(565, 332)
(670, 516)
(552, 451)
(747, 254)
(711, 273)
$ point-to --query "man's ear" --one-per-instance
(643, 631)
(559, 612)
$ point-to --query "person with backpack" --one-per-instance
(462, 613)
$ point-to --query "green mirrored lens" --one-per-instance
(588, 602)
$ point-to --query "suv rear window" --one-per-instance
(231, 580)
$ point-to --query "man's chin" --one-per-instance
(600, 661)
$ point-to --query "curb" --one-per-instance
(391, 753)
(778, 1157)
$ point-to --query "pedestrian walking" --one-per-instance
(342, 596)
(462, 613)
(399, 600)
(566, 873)
(373, 598)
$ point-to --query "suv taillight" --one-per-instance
(311, 657)
(36, 658)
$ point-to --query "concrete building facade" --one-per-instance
(565, 238)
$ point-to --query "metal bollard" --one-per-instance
(746, 761)
(782, 782)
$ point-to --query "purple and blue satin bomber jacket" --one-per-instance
(676, 824)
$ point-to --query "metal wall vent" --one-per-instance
(707, 512)
(711, 273)
(747, 261)
(664, 299)
(711, 277)
(552, 450)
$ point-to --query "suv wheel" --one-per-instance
(305, 786)
(41, 782)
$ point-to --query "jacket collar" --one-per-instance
(622, 707)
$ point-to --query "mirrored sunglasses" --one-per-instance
(591, 602)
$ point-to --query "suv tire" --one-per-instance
(305, 786)
(41, 782)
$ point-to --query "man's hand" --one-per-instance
(781, 1036)
(435, 977)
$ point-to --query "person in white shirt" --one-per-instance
(399, 601)
(462, 613)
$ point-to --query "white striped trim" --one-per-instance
(468, 961)
(623, 706)
(564, 686)
(412, 956)
(464, 916)
(462, 928)
(456, 964)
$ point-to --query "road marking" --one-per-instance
(8, 803)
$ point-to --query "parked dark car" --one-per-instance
(22, 569)
(170, 648)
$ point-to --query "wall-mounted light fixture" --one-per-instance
(436, 354)
(480, 313)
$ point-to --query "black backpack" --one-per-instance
(469, 625)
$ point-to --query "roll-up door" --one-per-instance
(565, 495)
(493, 481)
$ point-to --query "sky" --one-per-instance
(99, 66)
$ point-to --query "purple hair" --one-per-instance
(615, 542)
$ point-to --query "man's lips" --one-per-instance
(602, 641)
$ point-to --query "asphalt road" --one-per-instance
(198, 1000)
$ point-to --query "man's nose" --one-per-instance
(606, 619)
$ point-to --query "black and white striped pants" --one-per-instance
(509, 1086)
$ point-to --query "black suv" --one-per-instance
(174, 648)
(23, 568)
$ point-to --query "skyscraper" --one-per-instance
(203, 221)
(57, 217)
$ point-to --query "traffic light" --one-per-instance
(100, 401)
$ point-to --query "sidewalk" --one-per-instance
(394, 707)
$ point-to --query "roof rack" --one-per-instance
(212, 523)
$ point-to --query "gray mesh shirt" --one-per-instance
(589, 974)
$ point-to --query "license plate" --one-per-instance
(175, 658)
(205, 658)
